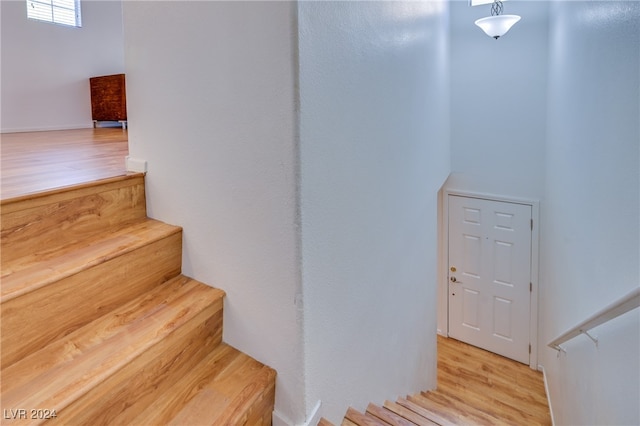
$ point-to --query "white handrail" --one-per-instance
(624, 304)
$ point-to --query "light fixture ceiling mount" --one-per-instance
(497, 24)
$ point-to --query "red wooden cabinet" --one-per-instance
(108, 98)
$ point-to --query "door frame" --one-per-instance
(443, 287)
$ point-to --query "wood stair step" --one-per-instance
(388, 416)
(30, 272)
(447, 413)
(45, 299)
(408, 414)
(227, 387)
(114, 364)
(48, 220)
(425, 412)
(475, 415)
(365, 419)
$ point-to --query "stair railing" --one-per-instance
(626, 303)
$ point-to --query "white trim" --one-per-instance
(312, 420)
(535, 280)
(443, 261)
(278, 419)
(546, 390)
(535, 237)
(135, 165)
(46, 128)
(490, 196)
(314, 417)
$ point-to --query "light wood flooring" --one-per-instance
(504, 389)
(33, 162)
(475, 387)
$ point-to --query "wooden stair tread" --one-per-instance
(36, 198)
(54, 219)
(408, 414)
(470, 412)
(427, 413)
(68, 368)
(451, 414)
(33, 272)
(222, 387)
(39, 317)
(365, 419)
(388, 416)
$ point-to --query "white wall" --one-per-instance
(498, 101)
(590, 230)
(46, 68)
(374, 132)
(212, 109)
(498, 109)
(213, 94)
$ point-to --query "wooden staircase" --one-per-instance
(100, 327)
(475, 387)
(423, 409)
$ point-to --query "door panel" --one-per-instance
(489, 275)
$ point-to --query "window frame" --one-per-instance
(47, 12)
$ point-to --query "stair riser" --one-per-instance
(249, 407)
(228, 388)
(33, 320)
(442, 413)
(261, 412)
(470, 413)
(120, 398)
(50, 221)
(168, 405)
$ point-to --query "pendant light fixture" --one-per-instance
(497, 24)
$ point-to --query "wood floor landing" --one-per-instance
(34, 162)
(499, 387)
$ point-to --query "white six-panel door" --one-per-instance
(490, 275)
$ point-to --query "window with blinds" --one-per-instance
(63, 12)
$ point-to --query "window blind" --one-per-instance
(64, 12)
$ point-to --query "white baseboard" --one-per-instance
(546, 390)
(135, 165)
(313, 419)
(46, 128)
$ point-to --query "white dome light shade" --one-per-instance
(497, 26)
